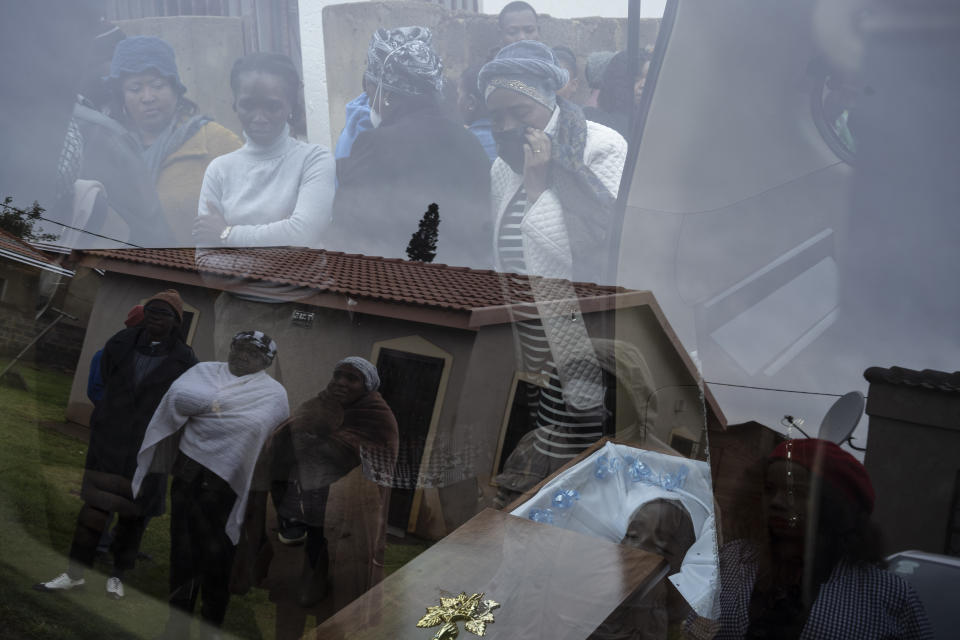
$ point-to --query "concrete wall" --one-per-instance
(315, 70)
(206, 48)
(460, 38)
(306, 357)
(579, 8)
(913, 458)
(675, 402)
(76, 295)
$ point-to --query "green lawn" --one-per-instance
(40, 472)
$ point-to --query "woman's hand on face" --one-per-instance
(536, 163)
(207, 229)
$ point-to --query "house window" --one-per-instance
(682, 444)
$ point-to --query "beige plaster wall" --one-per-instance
(478, 388)
(676, 392)
(306, 357)
(206, 47)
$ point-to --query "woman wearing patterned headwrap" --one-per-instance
(413, 157)
(553, 189)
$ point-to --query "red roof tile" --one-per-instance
(388, 279)
(16, 249)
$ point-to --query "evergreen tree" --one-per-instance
(423, 242)
(20, 222)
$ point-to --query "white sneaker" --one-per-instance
(62, 582)
(115, 588)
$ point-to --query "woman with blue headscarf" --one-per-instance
(554, 186)
(413, 157)
(177, 143)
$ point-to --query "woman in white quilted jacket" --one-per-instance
(554, 186)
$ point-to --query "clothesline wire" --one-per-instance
(63, 224)
(747, 386)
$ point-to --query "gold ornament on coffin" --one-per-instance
(473, 610)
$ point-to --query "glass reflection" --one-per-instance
(522, 354)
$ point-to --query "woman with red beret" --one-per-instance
(819, 571)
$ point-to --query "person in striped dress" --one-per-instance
(554, 185)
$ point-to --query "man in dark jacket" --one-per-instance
(138, 366)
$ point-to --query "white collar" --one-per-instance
(551, 127)
(271, 149)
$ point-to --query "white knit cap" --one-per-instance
(371, 379)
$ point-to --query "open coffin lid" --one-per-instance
(598, 495)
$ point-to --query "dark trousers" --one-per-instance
(91, 523)
(201, 553)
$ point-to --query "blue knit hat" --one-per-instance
(145, 53)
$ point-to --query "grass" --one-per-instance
(40, 473)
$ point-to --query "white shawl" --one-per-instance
(228, 419)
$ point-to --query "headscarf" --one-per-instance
(371, 379)
(403, 61)
(595, 67)
(260, 340)
(832, 463)
(528, 67)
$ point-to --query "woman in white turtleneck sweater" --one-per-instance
(275, 190)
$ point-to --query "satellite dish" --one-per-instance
(842, 418)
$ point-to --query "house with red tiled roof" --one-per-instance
(21, 269)
(32, 280)
(441, 337)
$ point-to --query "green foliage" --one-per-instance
(423, 242)
(20, 222)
